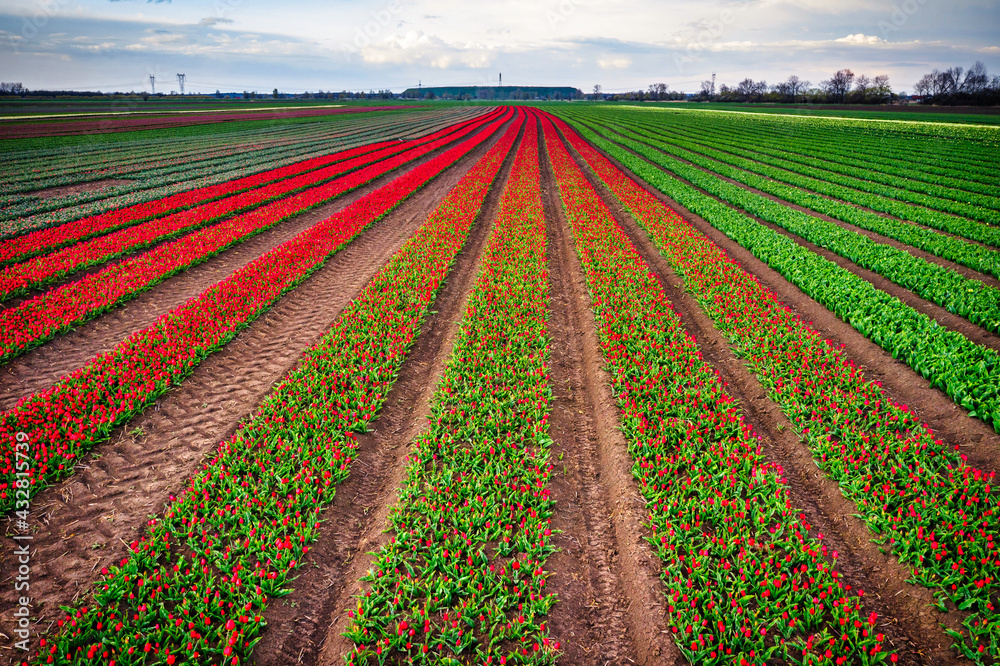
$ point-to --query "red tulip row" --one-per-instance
(82, 409)
(462, 579)
(35, 321)
(106, 124)
(44, 240)
(42, 270)
(194, 588)
(746, 582)
(936, 512)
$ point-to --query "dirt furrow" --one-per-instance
(43, 366)
(305, 627)
(907, 617)
(901, 383)
(85, 522)
(611, 603)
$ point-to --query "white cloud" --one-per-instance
(860, 38)
(615, 62)
(419, 48)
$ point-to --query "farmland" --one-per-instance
(468, 384)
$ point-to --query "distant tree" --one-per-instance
(957, 86)
(7, 88)
(862, 87)
(218, 95)
(274, 93)
(746, 89)
(976, 79)
(839, 85)
(597, 91)
(789, 89)
(796, 86)
(881, 91)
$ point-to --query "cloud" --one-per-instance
(617, 62)
(419, 48)
(214, 20)
(860, 38)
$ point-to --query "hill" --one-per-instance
(493, 92)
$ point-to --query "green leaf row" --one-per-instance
(967, 372)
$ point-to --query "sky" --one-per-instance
(299, 45)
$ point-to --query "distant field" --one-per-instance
(972, 115)
(578, 384)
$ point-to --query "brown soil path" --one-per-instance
(84, 522)
(611, 604)
(907, 618)
(305, 627)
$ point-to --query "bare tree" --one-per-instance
(839, 84)
(597, 91)
(795, 86)
(745, 89)
(976, 80)
(862, 87)
(706, 89)
(658, 91)
(881, 91)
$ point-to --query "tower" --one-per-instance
(713, 85)
(152, 83)
(180, 80)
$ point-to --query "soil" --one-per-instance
(85, 522)
(78, 188)
(611, 607)
(308, 624)
(907, 618)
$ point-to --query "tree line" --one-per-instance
(954, 85)
(844, 87)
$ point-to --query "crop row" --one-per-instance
(21, 130)
(964, 151)
(192, 590)
(806, 152)
(46, 269)
(965, 371)
(36, 242)
(145, 157)
(46, 213)
(986, 260)
(977, 302)
(745, 579)
(83, 408)
(748, 161)
(147, 185)
(462, 576)
(937, 160)
(935, 512)
(35, 321)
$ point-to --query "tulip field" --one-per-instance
(499, 385)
